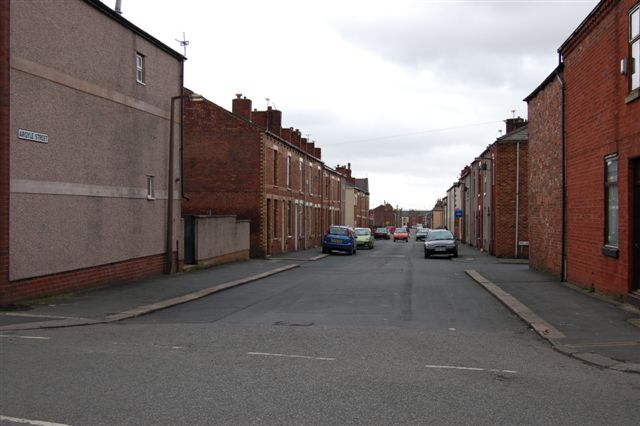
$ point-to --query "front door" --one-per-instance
(635, 225)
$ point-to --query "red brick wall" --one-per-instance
(599, 122)
(504, 199)
(96, 276)
(4, 142)
(545, 179)
(223, 171)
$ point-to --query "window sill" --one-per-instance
(632, 96)
(610, 251)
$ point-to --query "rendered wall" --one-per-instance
(221, 239)
(79, 200)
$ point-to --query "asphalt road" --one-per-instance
(383, 337)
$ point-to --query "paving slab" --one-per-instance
(593, 329)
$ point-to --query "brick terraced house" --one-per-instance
(242, 162)
(602, 127)
(493, 196)
(84, 154)
(356, 196)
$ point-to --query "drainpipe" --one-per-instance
(563, 263)
(304, 199)
(517, 194)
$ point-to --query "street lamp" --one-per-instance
(169, 247)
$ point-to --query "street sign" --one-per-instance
(458, 213)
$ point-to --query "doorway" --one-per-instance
(635, 226)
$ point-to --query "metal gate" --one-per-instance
(189, 240)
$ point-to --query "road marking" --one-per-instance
(291, 356)
(29, 422)
(452, 367)
(20, 314)
(26, 337)
(603, 344)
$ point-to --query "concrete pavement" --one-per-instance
(583, 325)
(575, 322)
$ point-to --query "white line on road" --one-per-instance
(26, 337)
(452, 367)
(291, 356)
(29, 422)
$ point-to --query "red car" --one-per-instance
(401, 234)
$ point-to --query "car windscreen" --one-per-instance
(401, 230)
(439, 235)
(363, 231)
(336, 230)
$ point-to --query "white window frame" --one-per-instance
(289, 171)
(634, 48)
(612, 201)
(140, 71)
(151, 193)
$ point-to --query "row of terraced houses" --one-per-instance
(563, 188)
(100, 181)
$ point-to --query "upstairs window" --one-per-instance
(140, 68)
(634, 41)
(275, 167)
(151, 193)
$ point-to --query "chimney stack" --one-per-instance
(296, 137)
(274, 121)
(318, 153)
(241, 106)
(286, 134)
(515, 123)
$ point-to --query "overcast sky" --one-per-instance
(408, 92)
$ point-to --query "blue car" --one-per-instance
(341, 238)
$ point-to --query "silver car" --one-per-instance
(440, 242)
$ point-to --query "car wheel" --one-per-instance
(324, 250)
(455, 253)
(426, 255)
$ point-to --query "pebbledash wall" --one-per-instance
(602, 119)
(89, 206)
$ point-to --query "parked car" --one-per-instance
(382, 233)
(364, 237)
(340, 238)
(421, 234)
(440, 242)
(401, 234)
